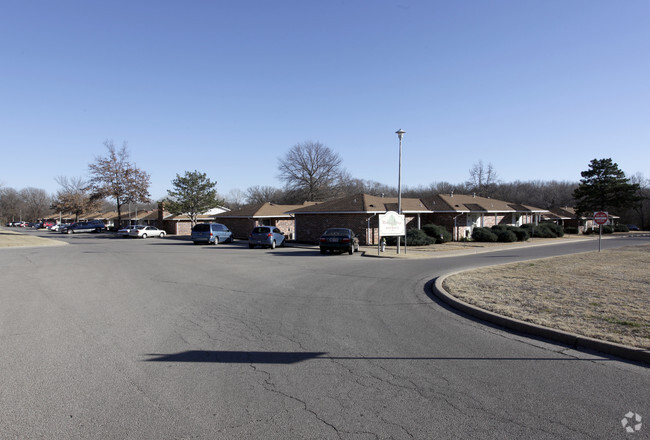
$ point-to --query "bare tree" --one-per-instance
(36, 203)
(482, 179)
(74, 197)
(537, 193)
(11, 205)
(235, 198)
(310, 171)
(262, 194)
(641, 210)
(115, 177)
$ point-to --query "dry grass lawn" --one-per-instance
(602, 295)
(15, 239)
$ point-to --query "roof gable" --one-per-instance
(363, 203)
(465, 203)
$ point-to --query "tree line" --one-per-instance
(311, 171)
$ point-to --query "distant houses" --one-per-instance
(459, 213)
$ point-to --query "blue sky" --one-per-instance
(537, 88)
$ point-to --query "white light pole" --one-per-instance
(400, 134)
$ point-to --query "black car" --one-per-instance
(91, 226)
(339, 240)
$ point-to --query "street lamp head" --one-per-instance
(400, 133)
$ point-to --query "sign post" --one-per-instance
(391, 224)
(600, 218)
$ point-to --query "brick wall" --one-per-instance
(242, 227)
(309, 227)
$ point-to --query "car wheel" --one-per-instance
(162, 234)
(144, 236)
(273, 244)
(351, 250)
(251, 246)
(216, 240)
(69, 231)
(323, 251)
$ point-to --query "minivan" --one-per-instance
(211, 233)
(266, 236)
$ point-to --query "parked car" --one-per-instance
(211, 233)
(266, 236)
(58, 227)
(124, 232)
(339, 240)
(633, 227)
(143, 231)
(91, 226)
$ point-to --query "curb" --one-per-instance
(570, 339)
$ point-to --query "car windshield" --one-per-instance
(336, 232)
(204, 227)
(261, 230)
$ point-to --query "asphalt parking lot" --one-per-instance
(115, 338)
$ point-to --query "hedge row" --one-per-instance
(429, 234)
(500, 233)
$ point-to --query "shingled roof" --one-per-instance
(264, 210)
(363, 203)
(465, 203)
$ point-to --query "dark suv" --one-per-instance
(91, 226)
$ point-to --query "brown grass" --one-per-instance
(604, 295)
(16, 239)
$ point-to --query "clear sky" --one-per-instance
(537, 88)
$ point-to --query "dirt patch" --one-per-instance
(603, 295)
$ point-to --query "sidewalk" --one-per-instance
(452, 248)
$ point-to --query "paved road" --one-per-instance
(112, 338)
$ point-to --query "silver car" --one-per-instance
(266, 236)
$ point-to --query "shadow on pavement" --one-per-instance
(283, 357)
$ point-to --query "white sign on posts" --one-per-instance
(391, 224)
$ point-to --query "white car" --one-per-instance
(124, 232)
(146, 231)
(59, 226)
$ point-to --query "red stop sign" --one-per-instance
(600, 217)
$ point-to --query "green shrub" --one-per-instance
(392, 241)
(607, 229)
(440, 233)
(497, 228)
(414, 237)
(417, 237)
(571, 230)
(621, 228)
(521, 234)
(557, 229)
(505, 236)
(483, 235)
(543, 230)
